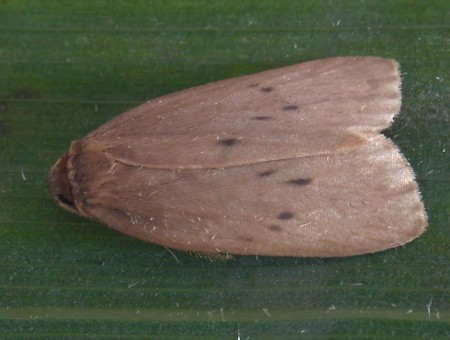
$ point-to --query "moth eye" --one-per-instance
(266, 89)
(228, 142)
(285, 215)
(262, 118)
(64, 200)
(289, 108)
(266, 173)
(299, 181)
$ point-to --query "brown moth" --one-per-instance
(287, 162)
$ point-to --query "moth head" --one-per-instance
(61, 184)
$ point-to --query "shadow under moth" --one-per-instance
(286, 162)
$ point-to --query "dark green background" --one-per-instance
(68, 66)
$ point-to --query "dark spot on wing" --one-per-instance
(254, 85)
(299, 181)
(285, 215)
(266, 173)
(228, 142)
(266, 89)
(275, 227)
(262, 118)
(290, 108)
(247, 239)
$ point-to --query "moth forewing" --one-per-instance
(287, 162)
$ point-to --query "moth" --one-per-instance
(286, 162)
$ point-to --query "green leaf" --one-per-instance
(68, 66)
